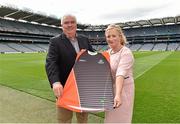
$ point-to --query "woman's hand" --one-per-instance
(119, 86)
(117, 101)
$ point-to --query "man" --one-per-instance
(60, 60)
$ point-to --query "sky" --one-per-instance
(97, 12)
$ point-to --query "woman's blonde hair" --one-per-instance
(119, 30)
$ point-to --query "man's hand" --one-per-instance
(58, 89)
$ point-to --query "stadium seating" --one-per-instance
(4, 48)
(135, 47)
(172, 46)
(160, 47)
(147, 47)
(16, 36)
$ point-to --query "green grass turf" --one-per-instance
(156, 79)
(25, 72)
(20, 107)
(157, 93)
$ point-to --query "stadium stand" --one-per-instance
(19, 47)
(153, 34)
(172, 46)
(178, 48)
(5, 48)
(136, 47)
(147, 47)
(160, 47)
(24, 31)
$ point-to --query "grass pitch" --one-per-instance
(157, 83)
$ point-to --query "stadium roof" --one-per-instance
(29, 16)
(151, 22)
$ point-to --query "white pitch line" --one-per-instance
(150, 67)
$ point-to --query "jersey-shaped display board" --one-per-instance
(89, 85)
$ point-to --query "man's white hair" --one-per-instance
(68, 15)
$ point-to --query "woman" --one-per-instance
(121, 61)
